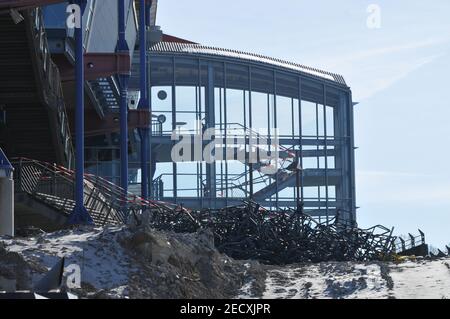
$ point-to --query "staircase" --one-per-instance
(45, 196)
(272, 183)
(30, 93)
(281, 181)
(237, 186)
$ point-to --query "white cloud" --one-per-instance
(375, 83)
(373, 70)
(378, 52)
(336, 62)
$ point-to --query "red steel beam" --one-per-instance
(24, 4)
(98, 65)
(171, 38)
(110, 123)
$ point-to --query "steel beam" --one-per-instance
(110, 123)
(210, 123)
(143, 101)
(24, 4)
(101, 65)
(124, 77)
(79, 215)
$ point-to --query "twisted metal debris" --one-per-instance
(278, 237)
(243, 232)
(440, 253)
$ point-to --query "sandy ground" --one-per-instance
(117, 262)
(410, 280)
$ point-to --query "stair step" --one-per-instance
(270, 189)
(67, 206)
(28, 132)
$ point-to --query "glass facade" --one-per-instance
(308, 114)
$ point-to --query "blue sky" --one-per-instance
(399, 73)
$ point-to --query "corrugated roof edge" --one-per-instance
(207, 50)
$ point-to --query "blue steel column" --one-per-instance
(210, 123)
(148, 8)
(122, 47)
(79, 215)
(143, 101)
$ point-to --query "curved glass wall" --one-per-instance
(304, 118)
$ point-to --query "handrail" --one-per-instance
(232, 180)
(87, 35)
(55, 185)
(157, 128)
(253, 132)
(105, 201)
(232, 183)
(51, 82)
(412, 241)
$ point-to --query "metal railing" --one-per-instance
(50, 80)
(55, 185)
(402, 244)
(157, 128)
(234, 186)
(267, 179)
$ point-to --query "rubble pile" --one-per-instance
(124, 262)
(277, 237)
(180, 266)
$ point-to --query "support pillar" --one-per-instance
(79, 215)
(143, 101)
(151, 155)
(122, 47)
(210, 123)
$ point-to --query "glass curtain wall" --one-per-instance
(310, 117)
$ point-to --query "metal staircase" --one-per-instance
(53, 186)
(48, 189)
(31, 97)
(271, 183)
(237, 186)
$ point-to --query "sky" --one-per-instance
(396, 61)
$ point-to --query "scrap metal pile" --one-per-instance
(282, 237)
(440, 254)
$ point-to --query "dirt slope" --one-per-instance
(121, 262)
